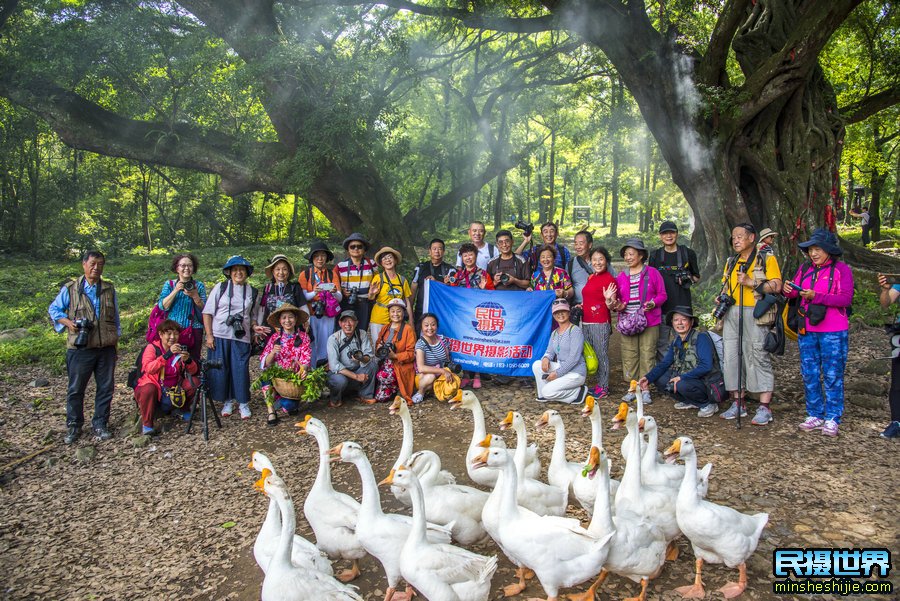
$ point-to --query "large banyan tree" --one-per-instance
(746, 121)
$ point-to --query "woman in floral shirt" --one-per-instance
(289, 348)
(549, 277)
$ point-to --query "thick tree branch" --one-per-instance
(243, 166)
(864, 108)
(6, 10)
(711, 69)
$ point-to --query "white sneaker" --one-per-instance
(708, 410)
(417, 398)
(645, 398)
(228, 409)
(245, 410)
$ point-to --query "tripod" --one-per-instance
(202, 398)
(740, 370)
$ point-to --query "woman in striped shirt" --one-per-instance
(432, 356)
(183, 299)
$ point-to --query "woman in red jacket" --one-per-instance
(166, 380)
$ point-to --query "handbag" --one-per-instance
(632, 324)
(590, 359)
(715, 386)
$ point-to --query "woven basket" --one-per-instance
(288, 390)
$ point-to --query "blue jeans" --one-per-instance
(823, 357)
(81, 364)
(232, 381)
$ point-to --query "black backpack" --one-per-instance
(135, 374)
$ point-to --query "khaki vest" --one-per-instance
(104, 332)
(687, 359)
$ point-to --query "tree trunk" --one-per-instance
(876, 186)
(896, 204)
(551, 202)
(498, 201)
(605, 202)
(310, 221)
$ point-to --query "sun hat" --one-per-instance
(766, 233)
(356, 237)
(237, 261)
(667, 226)
(386, 250)
(396, 302)
(824, 239)
(319, 246)
(274, 318)
(681, 310)
(560, 304)
(637, 244)
(275, 260)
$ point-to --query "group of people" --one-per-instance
(363, 321)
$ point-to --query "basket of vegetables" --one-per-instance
(300, 385)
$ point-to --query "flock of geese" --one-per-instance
(634, 522)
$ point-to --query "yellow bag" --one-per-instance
(590, 359)
(444, 390)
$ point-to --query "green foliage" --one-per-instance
(313, 382)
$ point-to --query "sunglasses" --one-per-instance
(356, 247)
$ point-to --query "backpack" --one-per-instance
(135, 373)
(581, 262)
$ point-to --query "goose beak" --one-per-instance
(633, 387)
(543, 421)
(507, 421)
(335, 452)
(389, 479)
(302, 425)
(480, 460)
(250, 465)
(260, 484)
(641, 425)
(672, 453)
(619, 418)
(456, 401)
(590, 470)
(486, 443)
(588, 406)
(395, 406)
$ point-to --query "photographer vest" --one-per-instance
(686, 359)
(104, 331)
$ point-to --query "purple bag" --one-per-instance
(187, 338)
(632, 324)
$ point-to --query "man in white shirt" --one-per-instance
(486, 251)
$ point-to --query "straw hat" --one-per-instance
(275, 260)
(274, 319)
(387, 249)
(766, 233)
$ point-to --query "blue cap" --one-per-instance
(237, 261)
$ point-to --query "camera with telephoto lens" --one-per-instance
(385, 350)
(208, 364)
(359, 357)
(683, 278)
(318, 308)
(188, 285)
(504, 278)
(354, 296)
(454, 367)
(726, 301)
(576, 314)
(527, 228)
(84, 327)
(236, 323)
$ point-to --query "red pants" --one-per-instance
(148, 398)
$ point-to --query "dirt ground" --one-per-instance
(147, 522)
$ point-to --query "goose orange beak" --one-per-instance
(480, 460)
(641, 425)
(486, 443)
(543, 421)
(335, 452)
(590, 470)
(507, 421)
(250, 465)
(673, 451)
(619, 418)
(302, 425)
(589, 403)
(633, 387)
(395, 406)
(390, 477)
(260, 484)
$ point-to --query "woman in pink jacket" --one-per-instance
(640, 290)
(825, 287)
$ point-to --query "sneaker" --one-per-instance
(228, 409)
(75, 432)
(830, 428)
(102, 433)
(892, 431)
(147, 430)
(629, 396)
(244, 408)
(602, 392)
(732, 412)
(476, 383)
(708, 410)
(763, 416)
(811, 423)
(417, 398)
(186, 416)
(645, 398)
(683, 405)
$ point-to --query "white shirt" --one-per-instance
(483, 258)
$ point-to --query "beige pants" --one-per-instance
(757, 371)
(639, 353)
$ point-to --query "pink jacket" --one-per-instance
(152, 361)
(837, 296)
(656, 291)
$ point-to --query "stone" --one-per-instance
(39, 383)
(802, 528)
(875, 366)
(867, 401)
(51, 461)
(13, 334)
(883, 244)
(140, 441)
(86, 454)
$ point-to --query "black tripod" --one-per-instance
(203, 400)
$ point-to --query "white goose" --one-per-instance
(626, 442)
(560, 472)
(439, 476)
(440, 572)
(668, 475)
(559, 550)
(637, 550)
(382, 534)
(718, 534)
(303, 553)
(331, 514)
(469, 401)
(583, 487)
(286, 581)
(541, 498)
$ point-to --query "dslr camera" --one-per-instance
(208, 364)
(726, 301)
(84, 327)
(451, 277)
(683, 278)
(504, 278)
(358, 356)
(318, 308)
(353, 297)
(189, 285)
(384, 350)
(576, 314)
(527, 228)
(236, 323)
(454, 367)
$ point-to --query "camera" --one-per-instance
(454, 367)
(318, 308)
(526, 227)
(236, 323)
(84, 327)
(188, 285)
(353, 297)
(207, 364)
(576, 314)
(504, 278)
(384, 350)
(475, 280)
(725, 302)
(683, 278)
(358, 356)
(451, 276)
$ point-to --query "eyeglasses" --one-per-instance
(356, 247)
(185, 265)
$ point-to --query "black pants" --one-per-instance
(81, 364)
(865, 235)
(894, 394)
(689, 390)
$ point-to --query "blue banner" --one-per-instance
(492, 331)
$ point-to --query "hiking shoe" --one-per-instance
(830, 428)
(464, 382)
(629, 396)
(892, 431)
(763, 416)
(708, 410)
(812, 423)
(645, 398)
(417, 398)
(102, 433)
(148, 430)
(600, 392)
(75, 432)
(244, 408)
(683, 405)
(228, 409)
(732, 411)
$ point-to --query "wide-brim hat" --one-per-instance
(274, 318)
(319, 246)
(635, 243)
(681, 310)
(397, 302)
(560, 304)
(275, 260)
(355, 237)
(237, 261)
(387, 249)
(824, 239)
(766, 233)
(667, 226)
